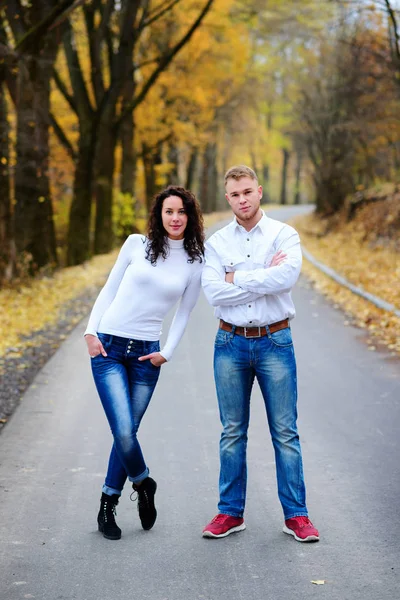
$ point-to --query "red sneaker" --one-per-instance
(223, 525)
(301, 529)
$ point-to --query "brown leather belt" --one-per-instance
(252, 332)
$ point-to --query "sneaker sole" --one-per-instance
(310, 538)
(209, 534)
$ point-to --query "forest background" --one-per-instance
(104, 102)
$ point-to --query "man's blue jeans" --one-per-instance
(237, 361)
(125, 386)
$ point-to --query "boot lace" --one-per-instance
(140, 496)
(109, 510)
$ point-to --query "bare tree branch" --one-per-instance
(81, 96)
(163, 64)
(64, 91)
(150, 61)
(66, 13)
(158, 12)
(36, 33)
(62, 137)
(110, 52)
(96, 37)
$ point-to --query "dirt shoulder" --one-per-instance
(364, 250)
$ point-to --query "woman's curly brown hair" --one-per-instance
(193, 240)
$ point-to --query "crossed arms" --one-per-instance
(239, 287)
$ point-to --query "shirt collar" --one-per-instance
(262, 225)
(175, 243)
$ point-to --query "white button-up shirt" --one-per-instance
(260, 294)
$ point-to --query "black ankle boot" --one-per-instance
(106, 517)
(146, 508)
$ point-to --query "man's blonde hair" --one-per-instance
(238, 172)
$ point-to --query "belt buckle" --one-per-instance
(252, 336)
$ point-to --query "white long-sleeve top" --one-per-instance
(138, 295)
(259, 295)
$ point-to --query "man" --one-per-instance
(251, 266)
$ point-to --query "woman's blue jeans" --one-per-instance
(125, 386)
(237, 362)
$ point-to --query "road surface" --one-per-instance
(53, 455)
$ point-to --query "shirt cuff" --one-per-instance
(237, 279)
(90, 332)
(166, 355)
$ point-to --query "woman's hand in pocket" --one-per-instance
(155, 358)
(94, 345)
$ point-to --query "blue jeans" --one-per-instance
(125, 386)
(237, 361)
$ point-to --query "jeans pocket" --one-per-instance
(106, 340)
(282, 338)
(222, 337)
(149, 349)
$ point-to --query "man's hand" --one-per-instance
(277, 259)
(94, 345)
(229, 276)
(155, 358)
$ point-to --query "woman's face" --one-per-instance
(174, 217)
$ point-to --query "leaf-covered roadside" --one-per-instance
(356, 250)
(36, 318)
(31, 307)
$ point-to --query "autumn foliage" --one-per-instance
(102, 103)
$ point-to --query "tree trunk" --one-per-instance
(297, 192)
(253, 160)
(81, 207)
(7, 242)
(129, 159)
(151, 158)
(127, 136)
(209, 179)
(265, 183)
(191, 170)
(283, 198)
(34, 225)
(173, 159)
(103, 187)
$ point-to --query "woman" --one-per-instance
(150, 275)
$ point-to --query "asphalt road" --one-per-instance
(53, 454)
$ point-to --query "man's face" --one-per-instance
(244, 197)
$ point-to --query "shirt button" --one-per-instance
(248, 239)
(250, 321)
(249, 305)
(248, 256)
